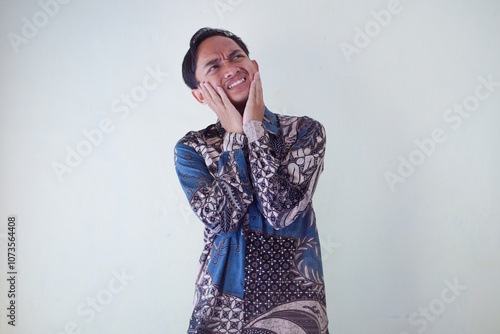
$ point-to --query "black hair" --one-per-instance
(189, 63)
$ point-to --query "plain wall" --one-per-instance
(407, 207)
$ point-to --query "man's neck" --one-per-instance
(240, 107)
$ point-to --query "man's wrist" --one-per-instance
(254, 130)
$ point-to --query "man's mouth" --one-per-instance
(236, 83)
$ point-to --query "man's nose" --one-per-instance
(229, 70)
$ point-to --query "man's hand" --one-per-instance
(218, 101)
(254, 109)
(228, 115)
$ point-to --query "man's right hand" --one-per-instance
(227, 113)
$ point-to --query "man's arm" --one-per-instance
(285, 181)
(284, 185)
(220, 201)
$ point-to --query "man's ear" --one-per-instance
(256, 65)
(198, 95)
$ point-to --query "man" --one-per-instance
(250, 179)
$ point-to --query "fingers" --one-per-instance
(224, 97)
(256, 89)
(209, 93)
(218, 98)
(218, 101)
(255, 107)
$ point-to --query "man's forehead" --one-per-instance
(215, 46)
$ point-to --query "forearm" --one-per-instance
(219, 200)
(285, 181)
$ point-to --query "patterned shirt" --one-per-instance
(260, 269)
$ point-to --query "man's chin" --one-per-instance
(239, 100)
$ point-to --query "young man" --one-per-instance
(250, 179)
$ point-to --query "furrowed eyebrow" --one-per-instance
(216, 61)
(212, 62)
(233, 53)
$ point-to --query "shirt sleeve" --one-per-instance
(285, 169)
(219, 200)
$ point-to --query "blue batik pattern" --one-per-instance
(260, 269)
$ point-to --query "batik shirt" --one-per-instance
(260, 269)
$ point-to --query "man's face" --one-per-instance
(221, 62)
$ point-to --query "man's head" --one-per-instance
(222, 59)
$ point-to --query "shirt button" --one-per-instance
(253, 217)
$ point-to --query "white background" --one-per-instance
(388, 252)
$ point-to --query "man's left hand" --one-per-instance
(255, 107)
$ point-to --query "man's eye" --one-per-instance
(212, 68)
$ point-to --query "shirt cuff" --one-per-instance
(254, 130)
(233, 141)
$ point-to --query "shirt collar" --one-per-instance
(270, 122)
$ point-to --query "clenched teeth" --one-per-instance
(236, 83)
